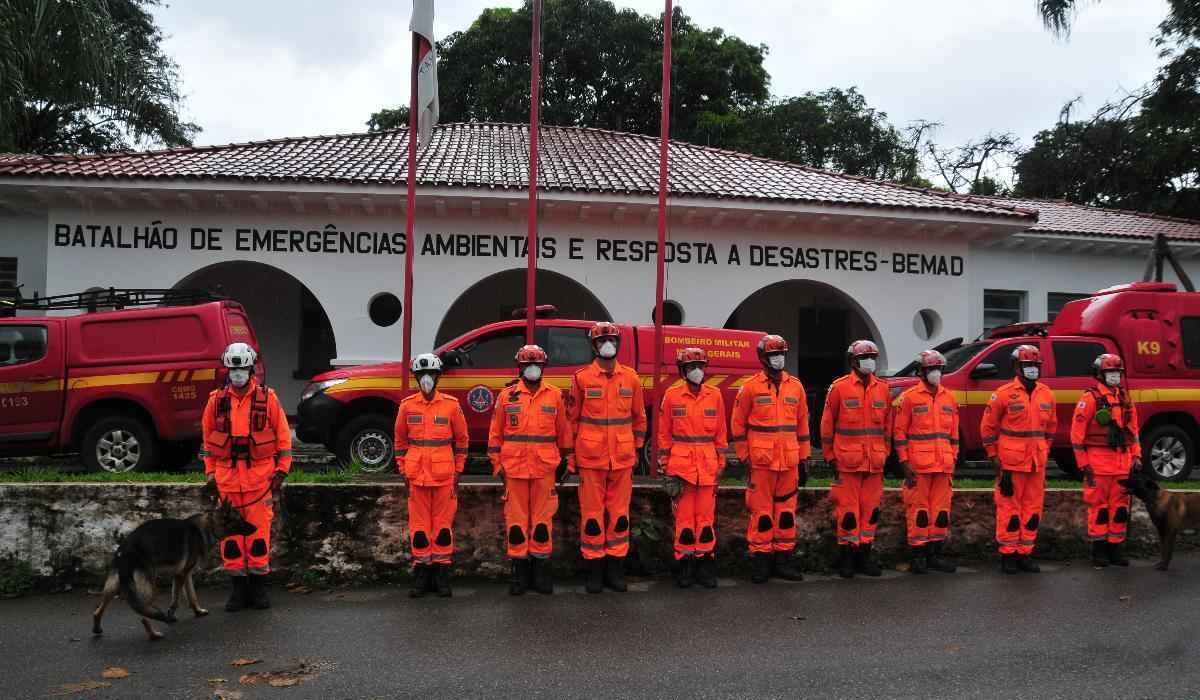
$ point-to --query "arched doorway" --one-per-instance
(292, 327)
(819, 322)
(496, 297)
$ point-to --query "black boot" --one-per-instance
(256, 594)
(1115, 557)
(543, 581)
(760, 567)
(917, 559)
(784, 566)
(614, 574)
(863, 564)
(845, 562)
(706, 571)
(1027, 564)
(1099, 554)
(683, 572)
(516, 580)
(441, 579)
(937, 562)
(1008, 563)
(595, 575)
(420, 582)
(237, 597)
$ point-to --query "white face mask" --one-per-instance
(427, 383)
(532, 373)
(867, 365)
(934, 377)
(1112, 378)
(695, 375)
(776, 362)
(608, 350)
(239, 377)
(1031, 372)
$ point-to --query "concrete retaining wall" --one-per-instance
(359, 532)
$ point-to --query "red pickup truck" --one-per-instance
(351, 411)
(124, 387)
(1153, 327)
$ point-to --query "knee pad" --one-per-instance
(515, 536)
(231, 550)
(1032, 523)
(686, 536)
(849, 522)
(420, 540)
(787, 520)
(622, 524)
(541, 533)
(1102, 516)
(592, 528)
(444, 537)
(1121, 515)
(874, 516)
(922, 519)
(1014, 524)
(764, 523)
(706, 535)
(258, 548)
(943, 519)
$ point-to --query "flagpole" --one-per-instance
(531, 236)
(409, 213)
(663, 141)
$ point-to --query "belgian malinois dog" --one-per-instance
(166, 546)
(1170, 512)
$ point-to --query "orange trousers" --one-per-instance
(1018, 515)
(856, 497)
(529, 508)
(1107, 509)
(604, 512)
(695, 510)
(250, 554)
(771, 498)
(431, 512)
(927, 508)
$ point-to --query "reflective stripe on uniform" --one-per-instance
(693, 438)
(627, 420)
(859, 432)
(1023, 433)
(521, 437)
(929, 436)
(781, 428)
(431, 443)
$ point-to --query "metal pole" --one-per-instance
(409, 212)
(531, 236)
(663, 141)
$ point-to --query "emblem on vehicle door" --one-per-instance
(480, 398)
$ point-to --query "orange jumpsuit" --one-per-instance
(246, 440)
(1107, 503)
(854, 432)
(925, 435)
(608, 419)
(1018, 427)
(529, 436)
(693, 445)
(769, 431)
(431, 451)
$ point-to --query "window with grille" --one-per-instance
(1055, 301)
(1002, 307)
(8, 273)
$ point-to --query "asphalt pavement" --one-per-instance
(1070, 632)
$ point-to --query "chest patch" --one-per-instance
(791, 400)
(512, 409)
(625, 393)
(678, 411)
(923, 408)
(851, 403)
(710, 412)
(947, 409)
(762, 400)
(441, 420)
(415, 419)
(879, 404)
(1046, 407)
(1016, 407)
(549, 409)
(594, 393)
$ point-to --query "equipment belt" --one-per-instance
(929, 436)
(1023, 433)
(782, 428)
(692, 438)
(627, 420)
(431, 443)
(859, 432)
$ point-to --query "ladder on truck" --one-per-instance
(94, 300)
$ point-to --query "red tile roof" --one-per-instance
(495, 156)
(1060, 216)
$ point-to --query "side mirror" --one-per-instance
(452, 358)
(984, 370)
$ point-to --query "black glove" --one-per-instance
(802, 479)
(910, 478)
(1089, 476)
(673, 486)
(832, 465)
(1137, 465)
(560, 474)
(277, 481)
(209, 491)
(1006, 485)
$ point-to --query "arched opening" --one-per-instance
(819, 322)
(292, 327)
(496, 297)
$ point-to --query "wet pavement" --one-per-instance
(1070, 632)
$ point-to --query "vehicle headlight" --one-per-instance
(317, 387)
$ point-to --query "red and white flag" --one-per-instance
(427, 92)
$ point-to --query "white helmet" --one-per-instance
(239, 355)
(426, 362)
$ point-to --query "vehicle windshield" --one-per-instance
(955, 359)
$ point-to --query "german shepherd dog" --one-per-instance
(1170, 512)
(166, 546)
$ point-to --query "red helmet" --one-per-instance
(930, 359)
(771, 344)
(1108, 361)
(531, 355)
(604, 329)
(862, 348)
(687, 356)
(1027, 354)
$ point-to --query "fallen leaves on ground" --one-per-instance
(953, 648)
(114, 672)
(223, 694)
(301, 672)
(799, 618)
(216, 681)
(298, 588)
(73, 688)
(244, 662)
(1125, 598)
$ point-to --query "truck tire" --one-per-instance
(1168, 453)
(119, 444)
(1065, 459)
(366, 440)
(176, 456)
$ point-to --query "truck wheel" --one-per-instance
(1065, 459)
(119, 444)
(178, 455)
(367, 441)
(1169, 453)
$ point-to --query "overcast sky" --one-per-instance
(261, 69)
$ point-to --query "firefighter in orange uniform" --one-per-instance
(692, 447)
(855, 442)
(247, 454)
(528, 439)
(431, 451)
(769, 432)
(925, 435)
(1104, 435)
(608, 418)
(1017, 429)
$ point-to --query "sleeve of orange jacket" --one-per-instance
(206, 426)
(639, 415)
(664, 431)
(1085, 410)
(829, 422)
(990, 423)
(954, 432)
(462, 439)
(802, 435)
(737, 425)
(1136, 448)
(566, 438)
(1051, 427)
(901, 415)
(400, 437)
(283, 434)
(722, 436)
(574, 400)
(496, 434)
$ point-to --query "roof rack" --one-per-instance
(1017, 330)
(91, 301)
